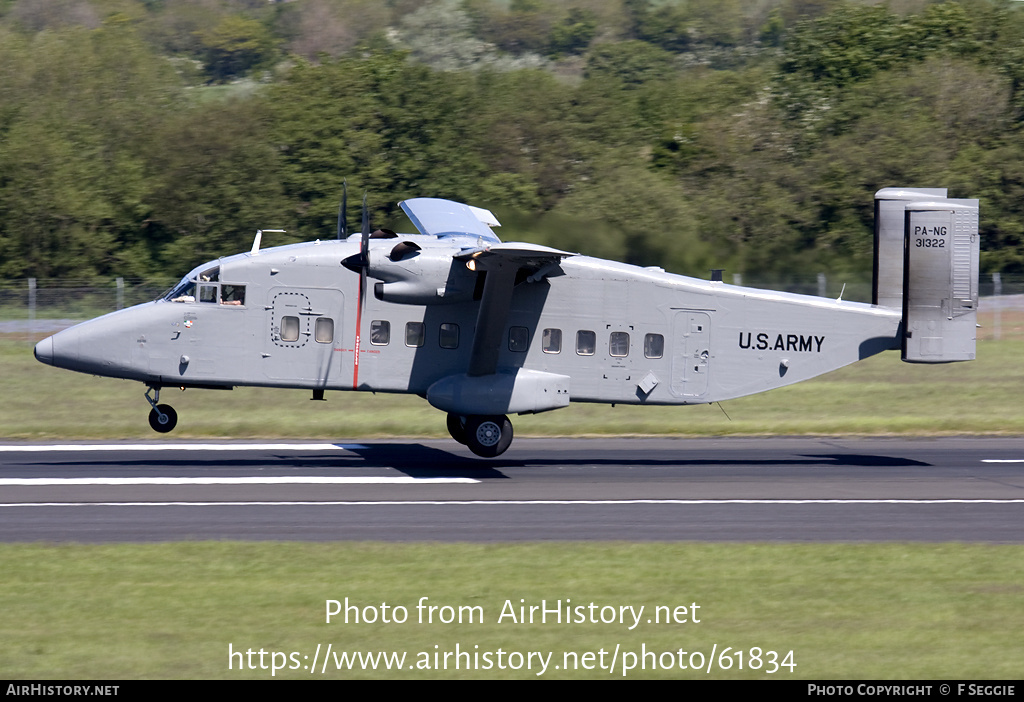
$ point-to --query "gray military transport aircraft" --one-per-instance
(483, 329)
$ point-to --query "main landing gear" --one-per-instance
(162, 418)
(485, 435)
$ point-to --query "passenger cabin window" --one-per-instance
(518, 339)
(618, 344)
(449, 336)
(289, 328)
(414, 334)
(380, 332)
(586, 343)
(654, 346)
(324, 330)
(551, 341)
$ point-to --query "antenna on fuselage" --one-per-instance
(255, 250)
(723, 411)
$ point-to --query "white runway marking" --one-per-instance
(42, 448)
(409, 503)
(1002, 460)
(263, 480)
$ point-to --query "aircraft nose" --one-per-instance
(44, 351)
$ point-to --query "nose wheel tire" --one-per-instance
(488, 436)
(163, 418)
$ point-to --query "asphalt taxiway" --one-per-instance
(778, 489)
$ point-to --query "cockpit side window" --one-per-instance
(208, 293)
(232, 294)
(202, 285)
(206, 288)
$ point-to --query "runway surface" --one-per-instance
(780, 489)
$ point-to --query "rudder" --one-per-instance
(940, 280)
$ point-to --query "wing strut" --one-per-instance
(501, 264)
(490, 320)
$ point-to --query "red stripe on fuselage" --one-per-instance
(359, 326)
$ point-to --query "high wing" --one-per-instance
(501, 263)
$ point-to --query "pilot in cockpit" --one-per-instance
(184, 293)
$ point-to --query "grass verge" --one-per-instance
(846, 611)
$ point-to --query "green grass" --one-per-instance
(846, 611)
(878, 396)
(171, 610)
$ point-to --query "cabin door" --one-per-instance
(691, 353)
(302, 327)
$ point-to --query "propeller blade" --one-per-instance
(343, 212)
(366, 227)
(363, 262)
(364, 250)
(358, 262)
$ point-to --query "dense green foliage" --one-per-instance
(141, 137)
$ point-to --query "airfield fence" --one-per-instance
(34, 307)
(43, 305)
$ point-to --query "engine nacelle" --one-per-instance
(412, 276)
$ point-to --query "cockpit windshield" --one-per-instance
(185, 291)
(203, 279)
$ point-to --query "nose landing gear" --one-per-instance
(162, 418)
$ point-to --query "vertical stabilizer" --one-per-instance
(940, 282)
(887, 279)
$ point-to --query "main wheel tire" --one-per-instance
(457, 427)
(163, 418)
(488, 436)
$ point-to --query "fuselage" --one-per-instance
(287, 317)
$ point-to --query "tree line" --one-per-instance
(143, 137)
